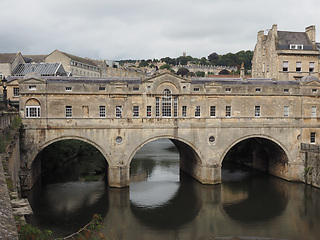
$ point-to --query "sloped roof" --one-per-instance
(286, 38)
(7, 57)
(34, 58)
(45, 69)
(80, 59)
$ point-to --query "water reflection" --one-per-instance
(164, 204)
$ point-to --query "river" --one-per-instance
(163, 203)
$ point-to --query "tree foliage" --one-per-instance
(182, 71)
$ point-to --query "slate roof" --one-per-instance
(45, 69)
(80, 59)
(286, 38)
(34, 58)
(7, 57)
(131, 80)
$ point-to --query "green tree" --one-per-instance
(200, 74)
(143, 63)
(182, 71)
(165, 66)
(213, 58)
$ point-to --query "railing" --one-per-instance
(306, 147)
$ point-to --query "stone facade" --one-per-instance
(203, 117)
(285, 55)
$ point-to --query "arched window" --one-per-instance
(33, 109)
(166, 102)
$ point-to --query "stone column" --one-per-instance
(119, 176)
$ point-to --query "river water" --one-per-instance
(163, 203)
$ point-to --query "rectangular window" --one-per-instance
(286, 90)
(212, 111)
(16, 92)
(312, 137)
(313, 111)
(102, 88)
(257, 111)
(197, 111)
(298, 66)
(32, 111)
(228, 89)
(285, 66)
(32, 87)
(135, 111)
(314, 90)
(286, 111)
(68, 88)
(148, 111)
(196, 89)
(311, 66)
(102, 111)
(175, 106)
(157, 106)
(258, 89)
(228, 111)
(135, 88)
(184, 111)
(68, 111)
(118, 111)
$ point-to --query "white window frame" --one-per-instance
(33, 111)
(197, 112)
(102, 111)
(16, 91)
(311, 67)
(285, 66)
(228, 111)
(32, 87)
(135, 111)
(212, 111)
(118, 111)
(68, 110)
(69, 89)
(166, 103)
(313, 137)
(257, 111)
(298, 66)
(313, 111)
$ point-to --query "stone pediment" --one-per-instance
(168, 77)
(33, 77)
(314, 83)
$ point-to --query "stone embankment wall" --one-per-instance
(8, 229)
(311, 154)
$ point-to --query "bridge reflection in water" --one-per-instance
(162, 203)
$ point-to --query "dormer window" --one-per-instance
(296, 46)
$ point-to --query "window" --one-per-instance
(102, 88)
(286, 111)
(311, 66)
(102, 111)
(298, 66)
(212, 111)
(16, 91)
(166, 103)
(197, 111)
(228, 89)
(286, 90)
(184, 111)
(119, 111)
(68, 88)
(228, 111)
(296, 46)
(157, 106)
(314, 90)
(257, 111)
(196, 89)
(175, 106)
(312, 137)
(68, 111)
(32, 87)
(136, 111)
(32, 111)
(285, 66)
(258, 89)
(135, 88)
(148, 111)
(313, 111)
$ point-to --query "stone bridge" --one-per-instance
(205, 118)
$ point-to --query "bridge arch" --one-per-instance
(175, 141)
(46, 144)
(268, 154)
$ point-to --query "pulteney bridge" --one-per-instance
(203, 117)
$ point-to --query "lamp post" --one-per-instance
(4, 85)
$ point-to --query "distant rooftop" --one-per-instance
(45, 69)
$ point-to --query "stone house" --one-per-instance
(8, 62)
(285, 55)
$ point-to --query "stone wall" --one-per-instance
(311, 153)
(8, 229)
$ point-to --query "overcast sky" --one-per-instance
(146, 29)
